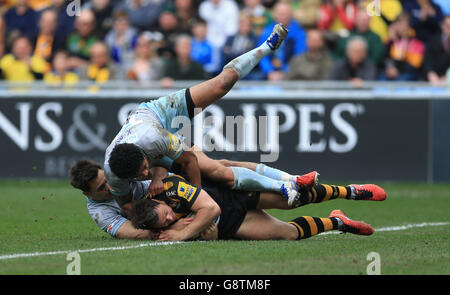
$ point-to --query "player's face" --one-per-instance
(144, 171)
(166, 215)
(99, 190)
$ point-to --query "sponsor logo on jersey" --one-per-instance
(175, 143)
(171, 193)
(186, 191)
(167, 185)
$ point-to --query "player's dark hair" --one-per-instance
(126, 160)
(82, 173)
(144, 215)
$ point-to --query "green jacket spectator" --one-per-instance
(362, 29)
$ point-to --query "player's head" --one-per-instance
(89, 177)
(128, 161)
(152, 214)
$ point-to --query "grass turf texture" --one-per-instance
(42, 216)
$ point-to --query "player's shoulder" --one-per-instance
(172, 181)
(180, 187)
(108, 205)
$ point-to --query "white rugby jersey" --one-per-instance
(107, 215)
(144, 129)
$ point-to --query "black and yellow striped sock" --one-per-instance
(324, 192)
(308, 226)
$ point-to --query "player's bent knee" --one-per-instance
(227, 79)
(225, 162)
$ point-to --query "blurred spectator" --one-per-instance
(306, 12)
(187, 15)
(183, 67)
(337, 16)
(20, 65)
(168, 27)
(242, 42)
(80, 41)
(315, 64)
(269, 3)
(222, 17)
(201, 49)
(356, 67)
(143, 14)
(60, 72)
(426, 17)
(389, 11)
(103, 12)
(20, 20)
(260, 15)
(405, 53)
(437, 57)
(99, 69)
(362, 29)
(121, 40)
(445, 6)
(276, 64)
(47, 43)
(168, 24)
(65, 21)
(147, 66)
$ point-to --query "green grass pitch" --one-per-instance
(46, 216)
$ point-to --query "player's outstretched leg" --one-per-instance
(206, 93)
(259, 225)
(308, 226)
(245, 176)
(325, 192)
(348, 225)
(303, 181)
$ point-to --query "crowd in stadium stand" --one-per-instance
(167, 40)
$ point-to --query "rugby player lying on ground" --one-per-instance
(241, 215)
(106, 213)
(89, 177)
(148, 139)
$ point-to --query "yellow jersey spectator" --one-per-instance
(60, 73)
(382, 15)
(21, 65)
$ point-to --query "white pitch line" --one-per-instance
(22, 255)
(399, 227)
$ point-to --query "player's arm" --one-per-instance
(158, 173)
(210, 233)
(109, 219)
(189, 165)
(206, 211)
(125, 202)
(173, 147)
(120, 189)
(128, 231)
